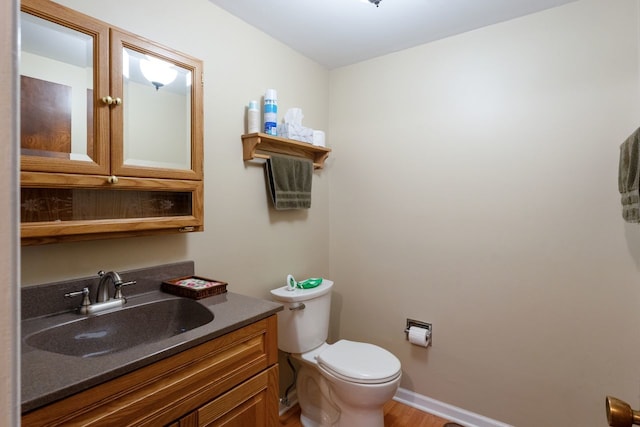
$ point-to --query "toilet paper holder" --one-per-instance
(419, 324)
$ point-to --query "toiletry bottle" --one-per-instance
(270, 112)
(253, 117)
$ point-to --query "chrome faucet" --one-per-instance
(103, 301)
(103, 292)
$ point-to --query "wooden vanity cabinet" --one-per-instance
(106, 150)
(229, 381)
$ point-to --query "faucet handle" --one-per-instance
(118, 294)
(86, 302)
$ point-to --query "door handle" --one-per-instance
(620, 414)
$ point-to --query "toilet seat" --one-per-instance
(359, 362)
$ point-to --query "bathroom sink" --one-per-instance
(119, 330)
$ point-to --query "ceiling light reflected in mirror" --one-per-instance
(157, 71)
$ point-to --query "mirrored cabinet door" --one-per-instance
(63, 74)
(157, 130)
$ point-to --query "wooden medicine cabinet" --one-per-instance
(111, 130)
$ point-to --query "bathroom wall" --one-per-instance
(245, 241)
(474, 186)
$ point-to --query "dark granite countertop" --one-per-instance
(47, 376)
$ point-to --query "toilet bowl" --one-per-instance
(346, 384)
(342, 384)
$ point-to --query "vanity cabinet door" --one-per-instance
(157, 130)
(63, 76)
(253, 403)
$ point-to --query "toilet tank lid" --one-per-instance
(285, 294)
(360, 362)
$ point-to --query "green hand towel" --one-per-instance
(629, 177)
(289, 181)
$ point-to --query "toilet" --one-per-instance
(342, 384)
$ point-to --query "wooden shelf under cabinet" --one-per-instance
(259, 145)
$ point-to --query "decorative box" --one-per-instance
(194, 287)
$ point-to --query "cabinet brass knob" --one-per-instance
(113, 179)
(111, 101)
(620, 414)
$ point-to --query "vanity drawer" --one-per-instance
(169, 389)
(253, 403)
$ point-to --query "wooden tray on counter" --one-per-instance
(194, 287)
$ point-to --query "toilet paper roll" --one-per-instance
(318, 138)
(419, 336)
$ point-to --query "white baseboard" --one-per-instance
(425, 404)
(444, 410)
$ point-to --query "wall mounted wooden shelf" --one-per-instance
(259, 145)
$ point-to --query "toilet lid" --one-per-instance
(359, 362)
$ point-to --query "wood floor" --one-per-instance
(395, 415)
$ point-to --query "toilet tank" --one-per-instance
(304, 323)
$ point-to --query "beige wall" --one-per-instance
(474, 186)
(246, 243)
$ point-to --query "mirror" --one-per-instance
(56, 95)
(157, 111)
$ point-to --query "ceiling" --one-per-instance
(335, 33)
